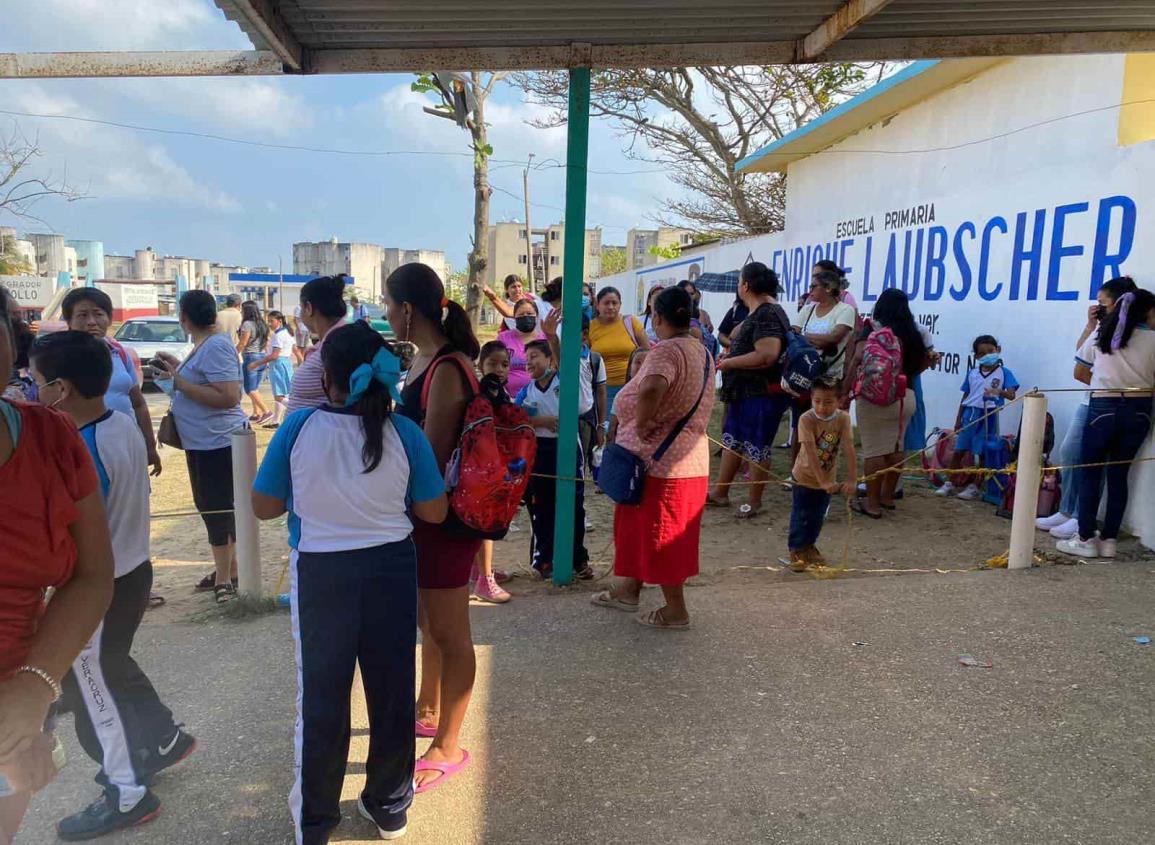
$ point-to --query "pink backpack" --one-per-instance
(880, 378)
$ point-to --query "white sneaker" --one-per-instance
(1108, 548)
(385, 834)
(1046, 523)
(946, 490)
(1076, 547)
(589, 526)
(969, 494)
(1067, 530)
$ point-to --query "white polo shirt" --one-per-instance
(121, 458)
(1129, 367)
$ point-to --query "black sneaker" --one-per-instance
(585, 573)
(102, 817)
(175, 750)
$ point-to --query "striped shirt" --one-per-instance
(308, 390)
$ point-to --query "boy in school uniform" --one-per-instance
(593, 403)
(822, 432)
(542, 400)
(120, 721)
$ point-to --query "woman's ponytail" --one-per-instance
(459, 330)
(1131, 309)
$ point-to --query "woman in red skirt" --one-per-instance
(656, 541)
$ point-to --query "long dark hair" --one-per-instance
(326, 294)
(892, 311)
(251, 313)
(760, 279)
(654, 291)
(345, 349)
(1122, 321)
(420, 286)
(675, 306)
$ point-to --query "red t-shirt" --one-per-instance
(48, 473)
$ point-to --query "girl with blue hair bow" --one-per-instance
(352, 474)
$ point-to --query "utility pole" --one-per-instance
(530, 274)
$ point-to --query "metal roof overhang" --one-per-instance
(910, 85)
(358, 36)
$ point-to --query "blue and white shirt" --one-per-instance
(976, 384)
(314, 463)
(541, 403)
(121, 459)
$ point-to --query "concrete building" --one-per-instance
(89, 260)
(363, 261)
(639, 242)
(50, 256)
(394, 257)
(508, 255)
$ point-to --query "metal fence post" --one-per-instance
(1029, 476)
(248, 531)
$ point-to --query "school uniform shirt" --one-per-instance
(1129, 367)
(593, 373)
(121, 461)
(827, 437)
(314, 463)
(282, 340)
(48, 473)
(542, 402)
(976, 384)
(840, 315)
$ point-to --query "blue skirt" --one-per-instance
(281, 376)
(915, 438)
(752, 424)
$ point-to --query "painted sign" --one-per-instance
(30, 291)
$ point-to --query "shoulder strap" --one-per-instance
(123, 353)
(595, 371)
(470, 378)
(629, 323)
(681, 424)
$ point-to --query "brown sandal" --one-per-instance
(655, 619)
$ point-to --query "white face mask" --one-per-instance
(827, 419)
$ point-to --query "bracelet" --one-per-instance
(53, 684)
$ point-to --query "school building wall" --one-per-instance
(1000, 205)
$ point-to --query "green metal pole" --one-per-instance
(577, 155)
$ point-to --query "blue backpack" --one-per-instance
(802, 365)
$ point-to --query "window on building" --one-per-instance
(521, 234)
(553, 236)
(521, 259)
(553, 260)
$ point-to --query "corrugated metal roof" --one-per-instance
(349, 35)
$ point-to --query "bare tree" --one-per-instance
(20, 190)
(468, 107)
(700, 122)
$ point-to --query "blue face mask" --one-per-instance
(585, 302)
(991, 360)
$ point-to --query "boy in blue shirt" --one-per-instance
(987, 386)
(542, 400)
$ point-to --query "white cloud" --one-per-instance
(224, 105)
(105, 162)
(120, 25)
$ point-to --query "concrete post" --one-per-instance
(1030, 474)
(248, 532)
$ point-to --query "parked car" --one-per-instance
(378, 322)
(147, 336)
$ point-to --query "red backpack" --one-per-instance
(489, 471)
(880, 378)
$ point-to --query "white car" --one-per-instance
(147, 336)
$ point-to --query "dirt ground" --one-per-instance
(925, 533)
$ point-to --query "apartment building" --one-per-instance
(639, 242)
(508, 254)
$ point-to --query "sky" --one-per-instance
(247, 205)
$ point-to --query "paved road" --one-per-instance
(767, 723)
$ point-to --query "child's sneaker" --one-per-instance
(487, 590)
(1077, 547)
(1067, 530)
(1108, 549)
(970, 493)
(798, 560)
(1046, 523)
(947, 489)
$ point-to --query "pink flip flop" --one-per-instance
(447, 770)
(424, 730)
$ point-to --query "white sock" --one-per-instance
(279, 410)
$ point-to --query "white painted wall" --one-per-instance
(1087, 195)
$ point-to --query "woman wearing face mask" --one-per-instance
(648, 314)
(1064, 524)
(525, 329)
(515, 292)
(206, 406)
